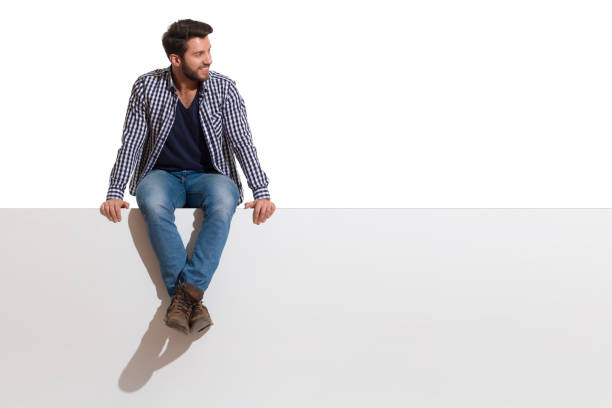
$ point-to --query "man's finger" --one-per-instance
(267, 212)
(258, 209)
(264, 215)
(113, 213)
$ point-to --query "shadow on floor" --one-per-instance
(160, 345)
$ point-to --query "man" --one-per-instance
(183, 125)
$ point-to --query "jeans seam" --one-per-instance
(174, 201)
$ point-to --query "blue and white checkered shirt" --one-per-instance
(149, 119)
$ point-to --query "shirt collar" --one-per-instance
(202, 86)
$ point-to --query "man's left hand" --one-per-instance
(263, 209)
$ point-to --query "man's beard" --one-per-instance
(193, 75)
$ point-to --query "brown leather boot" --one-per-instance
(179, 311)
(200, 318)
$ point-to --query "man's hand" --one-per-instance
(111, 209)
(264, 208)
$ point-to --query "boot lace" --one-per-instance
(182, 301)
(198, 307)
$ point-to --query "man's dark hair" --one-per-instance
(175, 39)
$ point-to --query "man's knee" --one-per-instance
(153, 204)
(223, 206)
(156, 208)
(232, 195)
(224, 201)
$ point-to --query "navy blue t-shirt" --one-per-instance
(185, 148)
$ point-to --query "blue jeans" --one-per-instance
(159, 193)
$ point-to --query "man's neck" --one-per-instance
(182, 83)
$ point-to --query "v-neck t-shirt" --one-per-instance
(185, 148)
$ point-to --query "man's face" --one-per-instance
(197, 59)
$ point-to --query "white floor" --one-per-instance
(314, 308)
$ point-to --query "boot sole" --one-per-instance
(201, 325)
(176, 326)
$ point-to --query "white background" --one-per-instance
(351, 104)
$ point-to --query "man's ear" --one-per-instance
(175, 60)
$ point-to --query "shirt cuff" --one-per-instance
(261, 192)
(114, 192)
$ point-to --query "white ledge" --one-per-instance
(314, 308)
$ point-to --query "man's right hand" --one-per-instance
(111, 209)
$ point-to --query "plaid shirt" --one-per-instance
(149, 119)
